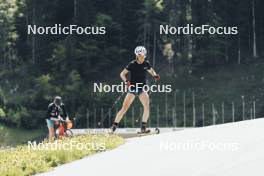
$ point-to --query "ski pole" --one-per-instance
(113, 105)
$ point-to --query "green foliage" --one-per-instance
(103, 19)
(33, 69)
(2, 113)
(11, 136)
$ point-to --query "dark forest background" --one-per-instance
(35, 68)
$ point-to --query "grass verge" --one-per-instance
(15, 136)
(23, 161)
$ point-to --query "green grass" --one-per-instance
(22, 161)
(14, 136)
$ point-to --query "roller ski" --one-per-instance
(144, 131)
(149, 133)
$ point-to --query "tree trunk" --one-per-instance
(154, 48)
(33, 36)
(239, 51)
(226, 49)
(254, 30)
(75, 12)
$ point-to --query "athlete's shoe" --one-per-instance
(113, 128)
(144, 130)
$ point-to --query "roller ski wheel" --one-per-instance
(157, 130)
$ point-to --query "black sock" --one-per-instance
(116, 124)
(144, 124)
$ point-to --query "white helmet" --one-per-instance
(57, 100)
(141, 50)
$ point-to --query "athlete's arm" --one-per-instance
(123, 75)
(152, 72)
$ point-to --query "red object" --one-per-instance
(61, 130)
(128, 83)
(157, 77)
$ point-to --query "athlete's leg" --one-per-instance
(50, 125)
(51, 134)
(127, 102)
(144, 99)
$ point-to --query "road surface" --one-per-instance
(233, 149)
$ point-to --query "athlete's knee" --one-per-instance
(123, 109)
(125, 106)
(51, 130)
